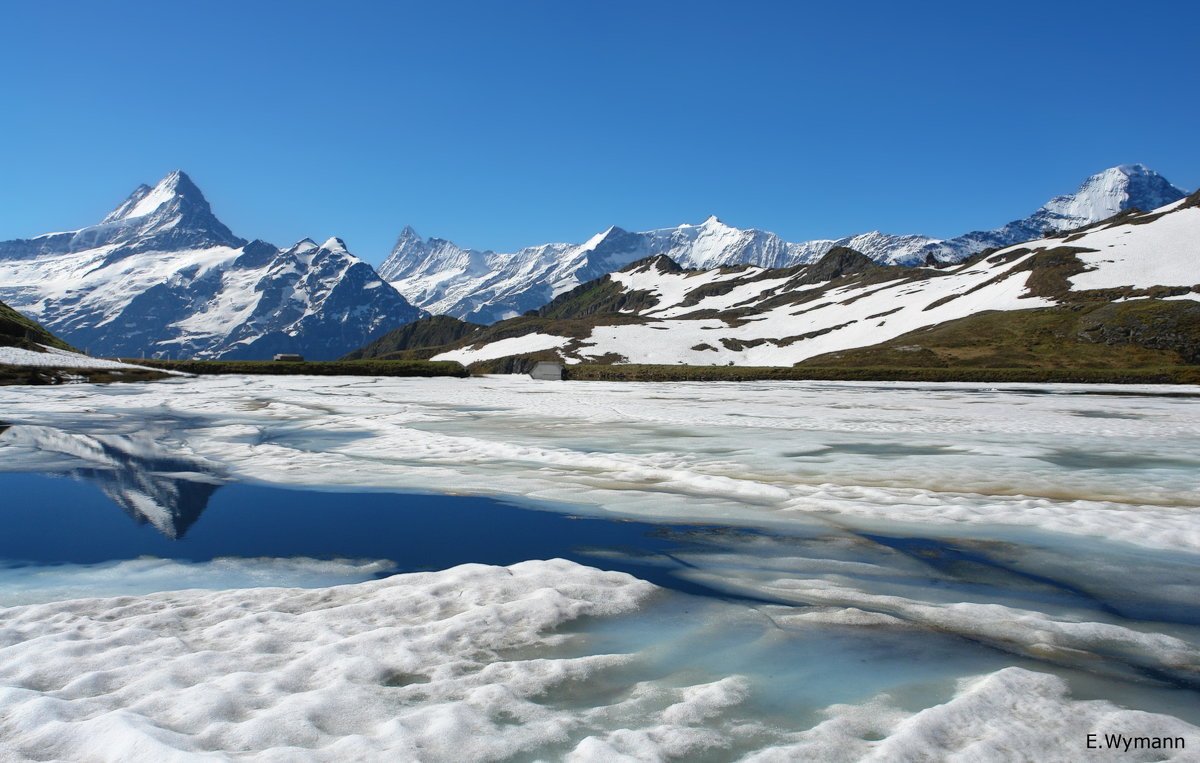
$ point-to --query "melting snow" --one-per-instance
(1164, 252)
(56, 358)
(512, 346)
(554, 660)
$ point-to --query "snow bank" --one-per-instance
(1164, 252)
(56, 358)
(511, 346)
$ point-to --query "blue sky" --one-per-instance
(502, 124)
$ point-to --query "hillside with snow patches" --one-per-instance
(487, 286)
(161, 276)
(29, 354)
(654, 311)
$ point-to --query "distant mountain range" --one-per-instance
(1122, 292)
(161, 276)
(486, 286)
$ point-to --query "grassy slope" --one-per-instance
(1141, 341)
(407, 342)
(18, 331)
(1145, 333)
(44, 375)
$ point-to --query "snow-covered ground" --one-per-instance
(56, 358)
(1141, 256)
(955, 571)
(511, 346)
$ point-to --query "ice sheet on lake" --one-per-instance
(34, 584)
(959, 456)
(471, 663)
(1002, 716)
(1059, 531)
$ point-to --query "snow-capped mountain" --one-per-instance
(654, 311)
(1099, 197)
(487, 286)
(162, 276)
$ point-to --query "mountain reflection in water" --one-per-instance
(145, 477)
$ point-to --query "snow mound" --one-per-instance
(445, 665)
(471, 663)
(1012, 714)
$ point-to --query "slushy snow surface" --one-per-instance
(937, 572)
(464, 664)
(961, 456)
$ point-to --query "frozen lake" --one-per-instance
(769, 571)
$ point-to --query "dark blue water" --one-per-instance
(53, 519)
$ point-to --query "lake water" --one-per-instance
(824, 553)
(49, 519)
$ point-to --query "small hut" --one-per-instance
(290, 357)
(547, 370)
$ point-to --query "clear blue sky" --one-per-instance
(501, 124)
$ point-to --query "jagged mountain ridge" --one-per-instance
(171, 215)
(487, 286)
(160, 275)
(654, 311)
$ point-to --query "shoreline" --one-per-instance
(648, 373)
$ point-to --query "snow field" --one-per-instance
(511, 346)
(849, 317)
(1165, 252)
(56, 358)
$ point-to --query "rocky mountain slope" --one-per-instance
(486, 286)
(161, 276)
(654, 311)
